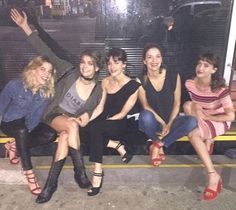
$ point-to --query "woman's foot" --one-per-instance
(156, 153)
(35, 189)
(210, 145)
(125, 155)
(96, 183)
(214, 187)
(11, 152)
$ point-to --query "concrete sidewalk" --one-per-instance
(177, 184)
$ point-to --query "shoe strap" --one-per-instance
(98, 174)
(118, 146)
(157, 145)
(31, 180)
(211, 172)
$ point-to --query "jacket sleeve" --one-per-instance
(61, 66)
(5, 97)
(95, 99)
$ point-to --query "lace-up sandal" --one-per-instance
(33, 184)
(127, 156)
(10, 148)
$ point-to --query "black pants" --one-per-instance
(100, 132)
(41, 134)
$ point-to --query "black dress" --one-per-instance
(102, 130)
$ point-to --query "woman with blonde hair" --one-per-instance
(77, 93)
(22, 103)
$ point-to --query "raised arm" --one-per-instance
(21, 20)
(49, 41)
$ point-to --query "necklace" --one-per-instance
(85, 82)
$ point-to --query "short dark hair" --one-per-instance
(117, 54)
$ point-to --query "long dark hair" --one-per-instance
(217, 80)
(147, 47)
(94, 55)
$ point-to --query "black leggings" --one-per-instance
(41, 134)
(101, 132)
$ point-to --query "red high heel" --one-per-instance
(210, 194)
(158, 160)
(32, 181)
(10, 148)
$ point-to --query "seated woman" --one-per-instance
(212, 106)
(160, 95)
(77, 93)
(119, 96)
(22, 103)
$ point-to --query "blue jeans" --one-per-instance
(180, 127)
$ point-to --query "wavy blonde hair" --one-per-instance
(48, 90)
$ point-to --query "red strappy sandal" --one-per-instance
(158, 160)
(10, 148)
(210, 194)
(32, 181)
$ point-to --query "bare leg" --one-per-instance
(62, 147)
(201, 149)
(209, 145)
(64, 124)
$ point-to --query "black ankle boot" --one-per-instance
(79, 169)
(51, 183)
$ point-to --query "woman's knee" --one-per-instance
(194, 135)
(187, 107)
(70, 126)
(146, 117)
(191, 123)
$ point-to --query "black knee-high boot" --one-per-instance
(79, 169)
(51, 183)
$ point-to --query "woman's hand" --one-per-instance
(165, 130)
(20, 20)
(83, 119)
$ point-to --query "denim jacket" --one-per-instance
(18, 102)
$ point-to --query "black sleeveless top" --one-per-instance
(115, 101)
(161, 101)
